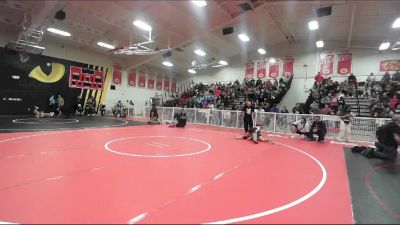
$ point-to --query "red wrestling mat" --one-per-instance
(156, 174)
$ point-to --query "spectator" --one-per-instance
(284, 110)
(386, 77)
(326, 110)
(60, 104)
(274, 108)
(319, 78)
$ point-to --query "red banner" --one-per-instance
(327, 63)
(150, 82)
(261, 69)
(166, 83)
(159, 82)
(344, 62)
(173, 85)
(288, 63)
(249, 72)
(132, 78)
(117, 74)
(273, 69)
(389, 65)
(142, 79)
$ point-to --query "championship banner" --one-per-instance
(249, 72)
(142, 79)
(261, 69)
(326, 63)
(173, 86)
(288, 63)
(274, 69)
(150, 82)
(166, 83)
(344, 62)
(159, 82)
(389, 65)
(132, 78)
(117, 74)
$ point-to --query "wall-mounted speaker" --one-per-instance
(112, 87)
(227, 30)
(324, 11)
(60, 15)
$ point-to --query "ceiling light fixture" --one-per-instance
(166, 63)
(384, 46)
(105, 45)
(272, 60)
(243, 37)
(396, 23)
(142, 25)
(200, 52)
(320, 44)
(59, 32)
(192, 71)
(222, 62)
(199, 3)
(313, 25)
(261, 51)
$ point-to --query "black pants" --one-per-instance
(321, 135)
(384, 152)
(248, 123)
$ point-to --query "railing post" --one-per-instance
(173, 113)
(208, 116)
(237, 119)
(195, 115)
(274, 122)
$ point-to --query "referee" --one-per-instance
(248, 116)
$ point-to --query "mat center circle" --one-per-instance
(157, 146)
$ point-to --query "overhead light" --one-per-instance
(199, 52)
(142, 25)
(384, 46)
(244, 37)
(166, 63)
(272, 60)
(192, 71)
(218, 65)
(199, 3)
(57, 31)
(313, 25)
(261, 51)
(320, 44)
(222, 62)
(396, 46)
(15, 77)
(105, 45)
(396, 23)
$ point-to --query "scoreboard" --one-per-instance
(84, 78)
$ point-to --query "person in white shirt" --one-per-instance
(301, 127)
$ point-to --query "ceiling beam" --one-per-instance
(351, 25)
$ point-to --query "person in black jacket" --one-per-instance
(248, 117)
(181, 118)
(318, 127)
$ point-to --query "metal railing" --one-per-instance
(362, 129)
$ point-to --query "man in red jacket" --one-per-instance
(319, 78)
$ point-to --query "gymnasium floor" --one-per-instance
(99, 170)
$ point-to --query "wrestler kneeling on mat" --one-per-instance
(255, 135)
(301, 127)
(154, 116)
(181, 118)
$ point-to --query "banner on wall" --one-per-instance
(274, 69)
(389, 65)
(326, 61)
(288, 63)
(261, 69)
(150, 81)
(159, 82)
(142, 79)
(173, 85)
(132, 78)
(117, 74)
(249, 72)
(166, 83)
(344, 62)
